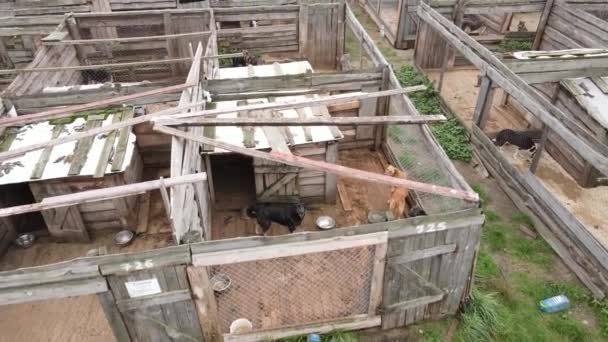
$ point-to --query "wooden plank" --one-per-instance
(347, 324)
(101, 194)
(69, 111)
(74, 288)
(309, 121)
(46, 154)
(326, 167)
(113, 316)
(331, 180)
(121, 146)
(344, 197)
(83, 146)
(422, 254)
(108, 146)
(378, 269)
(127, 39)
(153, 300)
(273, 188)
(206, 306)
(290, 249)
(484, 103)
(143, 213)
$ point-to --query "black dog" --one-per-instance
(525, 140)
(94, 76)
(416, 211)
(289, 215)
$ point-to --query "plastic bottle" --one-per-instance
(314, 338)
(554, 304)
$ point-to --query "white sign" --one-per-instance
(144, 287)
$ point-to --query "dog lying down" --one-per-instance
(289, 215)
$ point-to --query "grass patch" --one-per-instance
(480, 320)
(491, 216)
(495, 236)
(451, 135)
(569, 328)
(535, 251)
(512, 45)
(407, 160)
(522, 218)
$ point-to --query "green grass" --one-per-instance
(480, 320)
(512, 45)
(522, 218)
(451, 135)
(491, 216)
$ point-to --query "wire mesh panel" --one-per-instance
(296, 290)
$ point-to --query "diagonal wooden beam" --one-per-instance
(69, 111)
(326, 167)
(314, 121)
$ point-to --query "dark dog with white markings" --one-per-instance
(289, 215)
(95, 76)
(524, 140)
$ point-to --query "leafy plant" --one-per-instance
(483, 196)
(512, 45)
(454, 139)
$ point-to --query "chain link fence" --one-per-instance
(296, 290)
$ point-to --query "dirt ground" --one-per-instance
(58, 320)
(365, 197)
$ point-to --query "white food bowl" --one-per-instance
(241, 326)
(326, 222)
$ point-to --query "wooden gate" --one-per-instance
(149, 298)
(321, 34)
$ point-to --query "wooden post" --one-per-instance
(484, 102)
(167, 204)
(331, 181)
(303, 30)
(171, 43)
(206, 306)
(340, 39)
(6, 59)
(75, 35)
(383, 109)
(539, 149)
(115, 320)
(375, 296)
(542, 23)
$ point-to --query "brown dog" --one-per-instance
(397, 204)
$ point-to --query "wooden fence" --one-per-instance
(167, 292)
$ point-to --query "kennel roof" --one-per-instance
(95, 156)
(591, 93)
(292, 135)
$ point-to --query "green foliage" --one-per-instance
(568, 327)
(491, 216)
(495, 236)
(454, 140)
(512, 45)
(522, 218)
(535, 251)
(409, 77)
(407, 160)
(480, 320)
(486, 267)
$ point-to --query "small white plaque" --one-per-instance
(144, 287)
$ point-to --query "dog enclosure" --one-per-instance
(301, 128)
(555, 95)
(489, 22)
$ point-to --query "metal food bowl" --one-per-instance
(220, 282)
(123, 238)
(25, 240)
(326, 222)
(377, 217)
